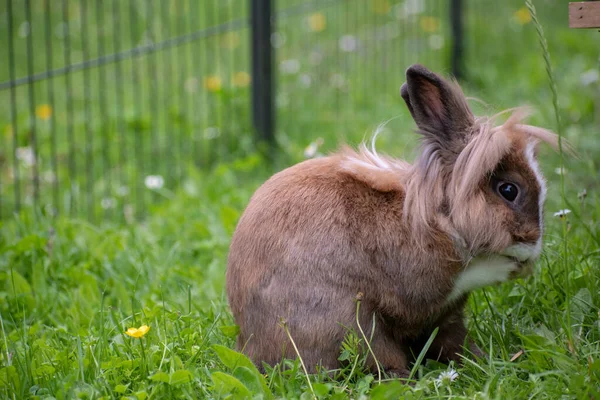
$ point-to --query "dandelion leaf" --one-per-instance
(180, 377)
(234, 360)
(228, 386)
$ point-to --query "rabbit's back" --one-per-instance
(306, 219)
(311, 238)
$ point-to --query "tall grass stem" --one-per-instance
(287, 331)
(358, 300)
(555, 103)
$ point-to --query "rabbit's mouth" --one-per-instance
(523, 255)
(523, 268)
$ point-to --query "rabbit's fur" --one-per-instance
(413, 239)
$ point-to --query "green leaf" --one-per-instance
(581, 305)
(517, 291)
(364, 384)
(248, 379)
(546, 333)
(230, 331)
(321, 389)
(27, 243)
(232, 359)
(9, 378)
(392, 390)
(120, 388)
(307, 395)
(44, 370)
(344, 355)
(143, 395)
(16, 284)
(16, 287)
(225, 384)
(38, 278)
(160, 377)
(229, 217)
(180, 377)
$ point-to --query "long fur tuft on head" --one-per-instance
(459, 152)
(434, 188)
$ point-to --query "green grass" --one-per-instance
(69, 289)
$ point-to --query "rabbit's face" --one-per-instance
(504, 215)
(519, 191)
(480, 183)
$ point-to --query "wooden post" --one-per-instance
(584, 14)
(262, 70)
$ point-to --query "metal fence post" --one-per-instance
(456, 22)
(262, 69)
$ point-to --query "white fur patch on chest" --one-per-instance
(481, 272)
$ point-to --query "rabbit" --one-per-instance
(411, 240)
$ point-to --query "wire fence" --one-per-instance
(105, 105)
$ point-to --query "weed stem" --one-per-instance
(358, 300)
(287, 331)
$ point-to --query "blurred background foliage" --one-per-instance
(149, 157)
(142, 91)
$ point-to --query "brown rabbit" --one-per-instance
(413, 239)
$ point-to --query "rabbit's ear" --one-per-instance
(438, 107)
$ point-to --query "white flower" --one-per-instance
(562, 213)
(311, 150)
(348, 43)
(211, 132)
(436, 42)
(560, 170)
(305, 80)
(289, 66)
(282, 100)
(154, 181)
(446, 377)
(278, 39)
(49, 177)
(408, 8)
(25, 155)
(108, 202)
(122, 191)
(590, 77)
(24, 29)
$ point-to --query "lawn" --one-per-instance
(70, 287)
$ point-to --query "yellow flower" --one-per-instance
(430, 24)
(522, 16)
(381, 6)
(137, 332)
(317, 22)
(43, 111)
(212, 83)
(241, 79)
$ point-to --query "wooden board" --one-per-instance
(585, 14)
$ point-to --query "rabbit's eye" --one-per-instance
(508, 190)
